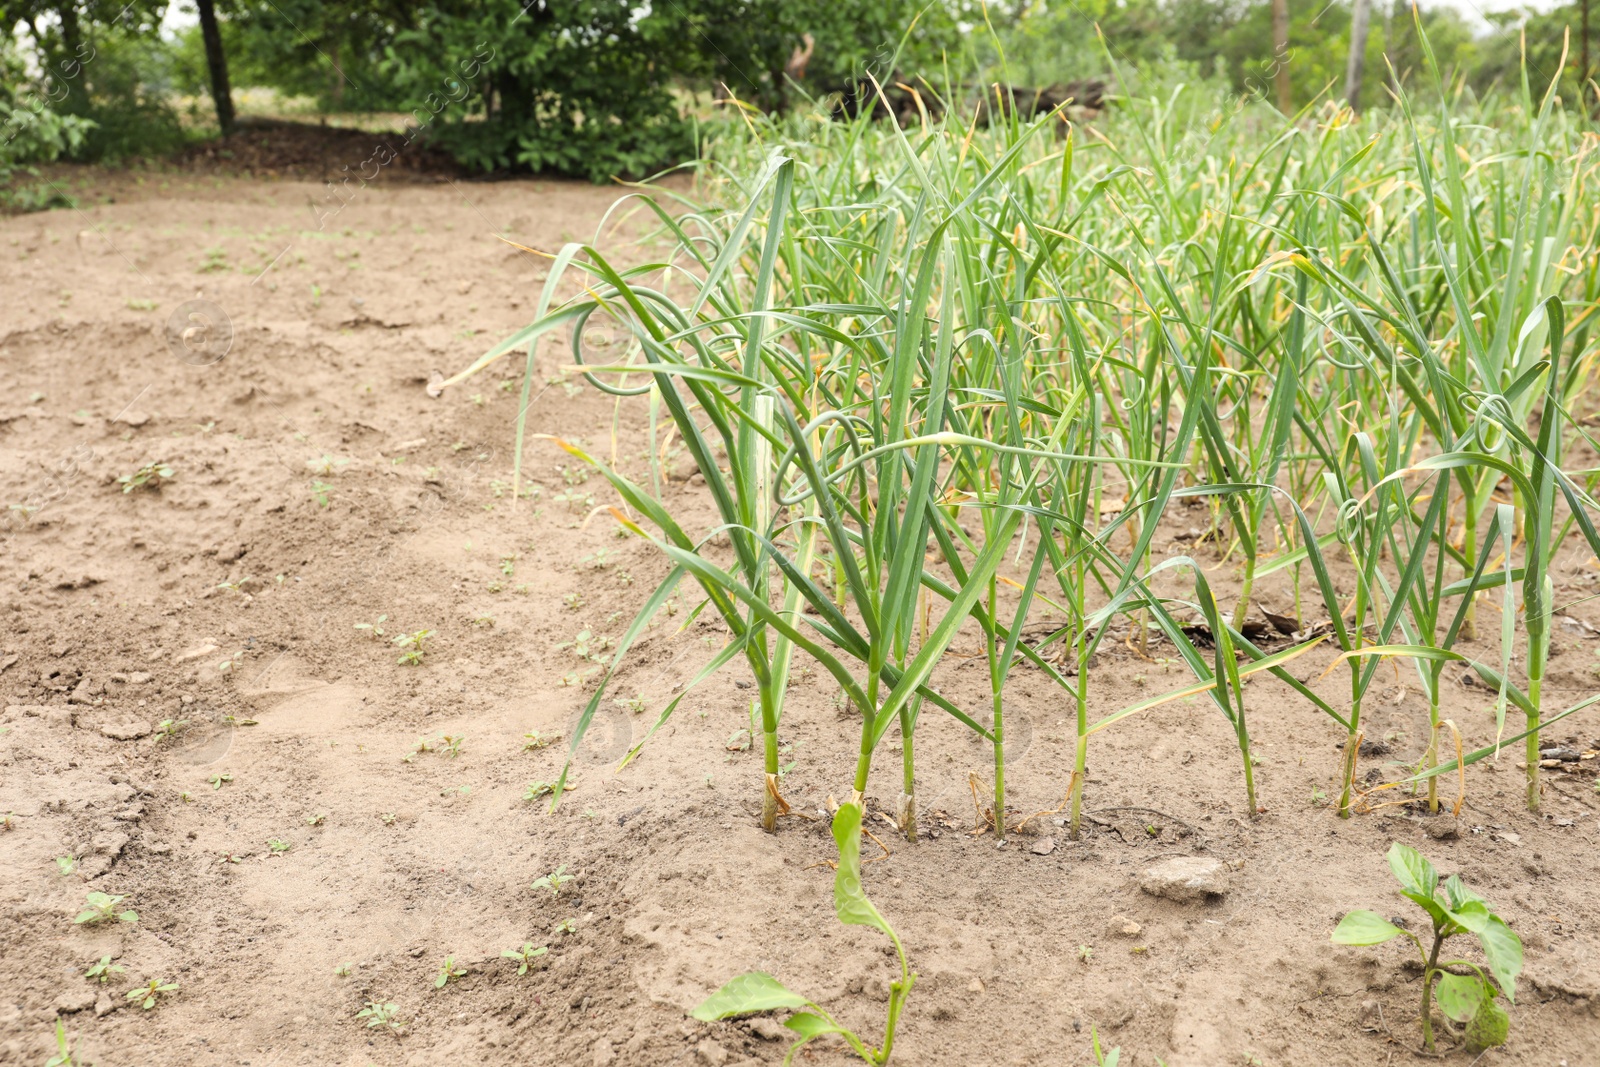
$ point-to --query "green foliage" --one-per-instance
(1464, 992)
(577, 87)
(147, 995)
(902, 360)
(102, 907)
(525, 956)
(332, 53)
(150, 475)
(33, 130)
(539, 789)
(381, 1015)
(125, 91)
(103, 970)
(412, 651)
(449, 971)
(1155, 43)
(756, 991)
(63, 1056)
(554, 880)
(745, 995)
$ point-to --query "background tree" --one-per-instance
(1361, 12)
(217, 64)
(103, 62)
(1280, 53)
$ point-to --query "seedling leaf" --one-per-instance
(1365, 928)
(1460, 996)
(809, 1025)
(1413, 871)
(751, 992)
(850, 901)
(1501, 947)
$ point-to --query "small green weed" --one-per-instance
(525, 956)
(412, 647)
(381, 1016)
(103, 970)
(147, 995)
(448, 972)
(151, 474)
(102, 907)
(554, 880)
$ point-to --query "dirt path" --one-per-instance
(316, 485)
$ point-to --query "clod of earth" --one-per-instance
(1441, 828)
(128, 731)
(75, 1000)
(1123, 926)
(1186, 879)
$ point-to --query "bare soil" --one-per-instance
(119, 610)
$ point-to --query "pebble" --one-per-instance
(1185, 879)
(710, 1053)
(1123, 926)
(975, 986)
(1043, 847)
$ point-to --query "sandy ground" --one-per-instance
(317, 486)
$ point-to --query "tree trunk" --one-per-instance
(1358, 53)
(337, 93)
(69, 68)
(1280, 54)
(221, 95)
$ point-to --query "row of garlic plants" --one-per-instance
(947, 379)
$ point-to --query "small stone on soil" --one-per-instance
(769, 1028)
(1043, 847)
(710, 1053)
(128, 731)
(1185, 879)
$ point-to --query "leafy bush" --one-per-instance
(330, 53)
(32, 131)
(124, 89)
(577, 87)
